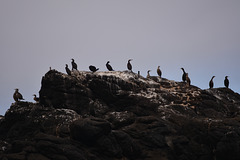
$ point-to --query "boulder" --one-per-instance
(89, 130)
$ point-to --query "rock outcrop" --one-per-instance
(121, 115)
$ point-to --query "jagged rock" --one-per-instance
(58, 148)
(121, 115)
(130, 148)
(36, 156)
(109, 146)
(63, 91)
(89, 130)
(24, 119)
(228, 147)
(120, 119)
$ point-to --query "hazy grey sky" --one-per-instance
(203, 36)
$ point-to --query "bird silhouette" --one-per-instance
(188, 79)
(226, 82)
(17, 96)
(159, 72)
(93, 68)
(184, 75)
(35, 98)
(129, 66)
(68, 70)
(74, 65)
(211, 84)
(109, 67)
(148, 74)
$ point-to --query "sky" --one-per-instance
(202, 36)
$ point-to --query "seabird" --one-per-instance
(226, 82)
(184, 75)
(93, 68)
(211, 82)
(35, 98)
(159, 72)
(129, 66)
(17, 96)
(68, 70)
(109, 67)
(74, 65)
(188, 79)
(148, 74)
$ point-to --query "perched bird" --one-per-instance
(211, 84)
(17, 96)
(159, 72)
(148, 74)
(188, 79)
(184, 75)
(109, 67)
(226, 82)
(74, 65)
(68, 70)
(93, 68)
(129, 66)
(35, 98)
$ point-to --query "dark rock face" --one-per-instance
(89, 130)
(120, 115)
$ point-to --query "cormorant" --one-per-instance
(74, 65)
(159, 72)
(93, 68)
(184, 75)
(68, 70)
(35, 98)
(226, 82)
(17, 96)
(129, 66)
(109, 67)
(211, 84)
(188, 79)
(148, 74)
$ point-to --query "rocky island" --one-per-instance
(122, 116)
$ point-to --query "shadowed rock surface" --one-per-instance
(120, 115)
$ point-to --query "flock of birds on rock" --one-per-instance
(17, 96)
(185, 78)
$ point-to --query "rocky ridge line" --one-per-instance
(121, 115)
